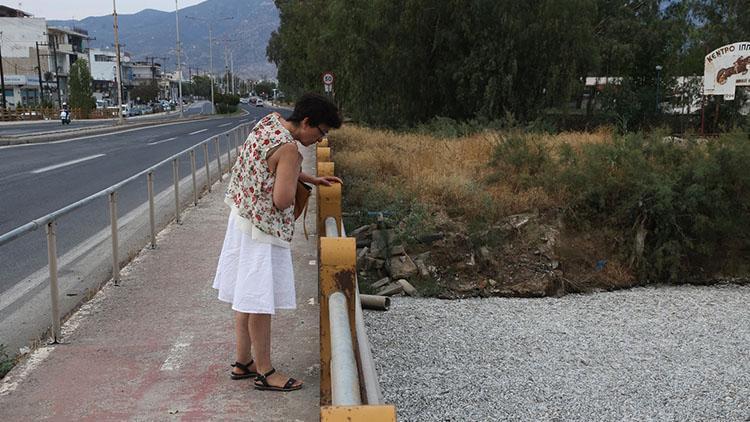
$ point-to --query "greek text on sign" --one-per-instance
(328, 78)
(726, 68)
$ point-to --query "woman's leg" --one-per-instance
(260, 333)
(243, 341)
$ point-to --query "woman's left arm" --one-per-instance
(322, 180)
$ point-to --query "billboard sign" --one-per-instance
(726, 68)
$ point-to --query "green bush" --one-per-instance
(226, 103)
(692, 198)
(222, 108)
(6, 363)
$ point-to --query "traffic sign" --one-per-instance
(328, 78)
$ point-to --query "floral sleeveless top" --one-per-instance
(251, 185)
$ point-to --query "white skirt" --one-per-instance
(253, 276)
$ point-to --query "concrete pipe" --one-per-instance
(374, 302)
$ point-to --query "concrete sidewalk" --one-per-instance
(158, 346)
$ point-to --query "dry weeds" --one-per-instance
(447, 173)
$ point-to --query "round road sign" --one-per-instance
(328, 78)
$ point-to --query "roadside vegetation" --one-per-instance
(6, 363)
(226, 103)
(567, 212)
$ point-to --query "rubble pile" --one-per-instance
(515, 258)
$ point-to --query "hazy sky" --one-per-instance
(79, 9)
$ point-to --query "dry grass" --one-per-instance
(447, 173)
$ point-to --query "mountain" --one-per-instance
(151, 33)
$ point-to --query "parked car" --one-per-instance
(258, 103)
(245, 100)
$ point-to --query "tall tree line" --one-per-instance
(402, 62)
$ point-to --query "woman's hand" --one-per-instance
(326, 180)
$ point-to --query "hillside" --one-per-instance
(152, 33)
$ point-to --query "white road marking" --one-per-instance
(177, 353)
(225, 124)
(10, 382)
(313, 262)
(68, 163)
(197, 132)
(162, 141)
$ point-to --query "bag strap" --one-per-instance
(304, 221)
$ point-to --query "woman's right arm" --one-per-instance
(287, 172)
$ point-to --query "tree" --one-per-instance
(79, 83)
(202, 86)
(146, 93)
(265, 88)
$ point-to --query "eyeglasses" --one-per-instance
(322, 132)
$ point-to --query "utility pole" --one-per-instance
(118, 70)
(231, 56)
(226, 70)
(179, 68)
(211, 51)
(39, 69)
(2, 73)
(57, 73)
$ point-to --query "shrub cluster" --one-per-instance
(226, 103)
(690, 199)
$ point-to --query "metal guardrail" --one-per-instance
(235, 137)
(349, 387)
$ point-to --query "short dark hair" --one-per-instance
(318, 110)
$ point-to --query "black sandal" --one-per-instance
(264, 385)
(244, 367)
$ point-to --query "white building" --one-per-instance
(37, 58)
(19, 40)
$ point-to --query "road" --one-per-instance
(36, 179)
(46, 126)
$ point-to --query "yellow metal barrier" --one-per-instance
(323, 154)
(325, 169)
(337, 273)
(377, 413)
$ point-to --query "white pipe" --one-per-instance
(344, 376)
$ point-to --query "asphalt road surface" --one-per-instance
(37, 179)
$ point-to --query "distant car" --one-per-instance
(258, 103)
(245, 100)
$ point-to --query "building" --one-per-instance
(103, 69)
(36, 59)
(24, 62)
(65, 47)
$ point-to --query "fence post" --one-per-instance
(113, 225)
(229, 151)
(192, 169)
(329, 205)
(323, 154)
(151, 218)
(208, 172)
(218, 158)
(176, 174)
(53, 290)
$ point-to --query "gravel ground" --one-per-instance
(646, 354)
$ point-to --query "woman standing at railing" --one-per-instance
(255, 271)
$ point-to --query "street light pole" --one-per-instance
(118, 69)
(658, 81)
(211, 53)
(211, 65)
(179, 68)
